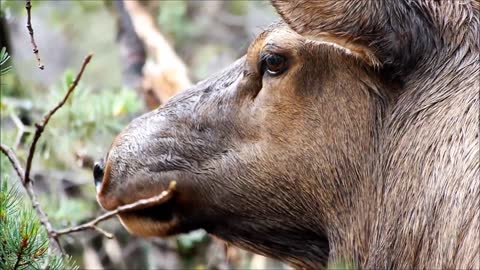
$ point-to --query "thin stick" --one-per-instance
(41, 126)
(8, 152)
(92, 225)
(28, 7)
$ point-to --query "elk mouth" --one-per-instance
(152, 220)
(126, 184)
(150, 210)
(162, 212)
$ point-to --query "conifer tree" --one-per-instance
(24, 242)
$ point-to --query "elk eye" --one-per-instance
(273, 64)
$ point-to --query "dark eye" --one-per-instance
(273, 64)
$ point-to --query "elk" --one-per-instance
(348, 131)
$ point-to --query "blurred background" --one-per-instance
(144, 52)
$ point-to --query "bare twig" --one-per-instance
(92, 225)
(28, 7)
(41, 126)
(8, 152)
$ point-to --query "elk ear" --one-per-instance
(376, 31)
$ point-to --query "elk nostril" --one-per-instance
(98, 170)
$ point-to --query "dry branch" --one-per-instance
(28, 7)
(166, 75)
(41, 126)
(8, 152)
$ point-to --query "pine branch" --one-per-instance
(23, 245)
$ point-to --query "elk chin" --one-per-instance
(157, 220)
(146, 227)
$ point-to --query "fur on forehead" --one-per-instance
(281, 34)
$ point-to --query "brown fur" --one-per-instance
(364, 150)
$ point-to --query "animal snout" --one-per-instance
(98, 172)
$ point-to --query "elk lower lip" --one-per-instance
(162, 212)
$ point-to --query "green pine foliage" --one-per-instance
(23, 240)
(4, 57)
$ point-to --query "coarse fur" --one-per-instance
(364, 150)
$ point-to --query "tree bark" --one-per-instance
(164, 73)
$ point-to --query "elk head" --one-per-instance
(270, 153)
